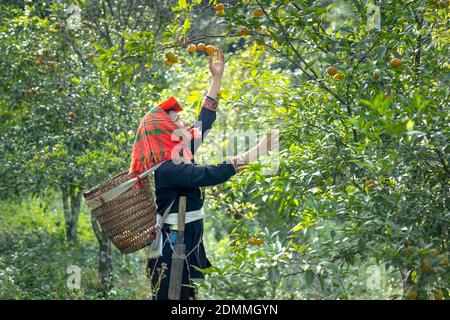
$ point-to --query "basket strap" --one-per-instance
(96, 202)
(155, 250)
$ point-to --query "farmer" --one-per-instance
(157, 141)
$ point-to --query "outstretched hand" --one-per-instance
(217, 67)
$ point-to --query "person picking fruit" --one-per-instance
(164, 137)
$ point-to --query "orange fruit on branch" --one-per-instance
(425, 266)
(219, 7)
(395, 63)
(192, 48)
(171, 56)
(337, 77)
(210, 49)
(331, 71)
(435, 252)
(182, 39)
(201, 47)
(258, 12)
(220, 13)
(242, 31)
(259, 242)
(168, 63)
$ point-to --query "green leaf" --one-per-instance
(410, 125)
(182, 4)
(186, 26)
(298, 227)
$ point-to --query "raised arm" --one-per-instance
(207, 114)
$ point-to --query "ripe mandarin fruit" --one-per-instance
(219, 7)
(201, 47)
(435, 252)
(182, 39)
(171, 56)
(220, 13)
(395, 63)
(258, 12)
(168, 63)
(337, 76)
(210, 49)
(192, 48)
(425, 266)
(331, 71)
(242, 31)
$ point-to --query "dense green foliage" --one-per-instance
(362, 186)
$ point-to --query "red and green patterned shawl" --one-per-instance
(157, 139)
(154, 141)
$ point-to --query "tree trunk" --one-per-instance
(75, 210)
(105, 257)
(105, 265)
(71, 200)
(67, 212)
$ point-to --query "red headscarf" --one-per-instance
(156, 139)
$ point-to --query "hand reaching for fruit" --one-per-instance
(269, 142)
(216, 67)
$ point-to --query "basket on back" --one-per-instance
(127, 216)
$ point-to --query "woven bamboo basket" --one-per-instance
(129, 219)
